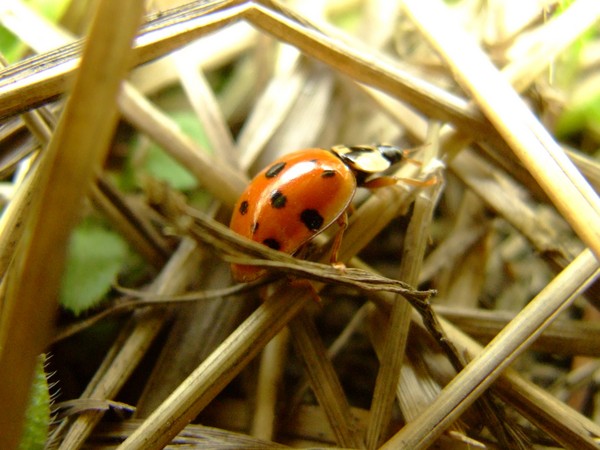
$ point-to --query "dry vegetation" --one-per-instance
(507, 236)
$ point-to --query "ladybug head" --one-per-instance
(369, 159)
(390, 152)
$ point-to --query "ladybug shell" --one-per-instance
(290, 201)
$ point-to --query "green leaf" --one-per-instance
(161, 166)
(8, 45)
(579, 115)
(96, 256)
(37, 416)
(53, 10)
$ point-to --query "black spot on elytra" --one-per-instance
(254, 227)
(272, 243)
(278, 200)
(274, 170)
(311, 219)
(243, 207)
(328, 174)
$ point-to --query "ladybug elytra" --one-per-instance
(302, 193)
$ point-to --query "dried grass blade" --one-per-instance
(560, 421)
(135, 340)
(528, 138)
(270, 378)
(43, 77)
(508, 344)
(563, 337)
(324, 381)
(225, 183)
(549, 40)
(68, 166)
(192, 437)
(541, 408)
(417, 236)
(235, 248)
(216, 371)
(129, 222)
(269, 111)
(362, 67)
(212, 172)
(206, 107)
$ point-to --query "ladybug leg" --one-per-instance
(384, 181)
(407, 153)
(380, 182)
(416, 162)
(342, 221)
(431, 181)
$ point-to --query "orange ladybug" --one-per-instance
(302, 193)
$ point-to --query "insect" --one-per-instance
(302, 193)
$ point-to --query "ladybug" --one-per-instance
(302, 193)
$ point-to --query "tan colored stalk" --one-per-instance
(205, 105)
(563, 337)
(324, 381)
(399, 320)
(14, 215)
(531, 142)
(269, 111)
(130, 223)
(334, 349)
(351, 60)
(216, 371)
(181, 25)
(131, 347)
(541, 408)
(224, 182)
(193, 437)
(67, 168)
(53, 77)
(548, 41)
(464, 389)
(270, 375)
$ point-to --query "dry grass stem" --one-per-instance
(535, 403)
(270, 378)
(324, 381)
(269, 111)
(206, 107)
(530, 141)
(513, 339)
(568, 337)
(166, 34)
(399, 318)
(533, 52)
(195, 436)
(131, 223)
(216, 371)
(238, 249)
(539, 406)
(79, 144)
(135, 341)
(226, 183)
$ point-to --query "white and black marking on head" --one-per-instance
(369, 159)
